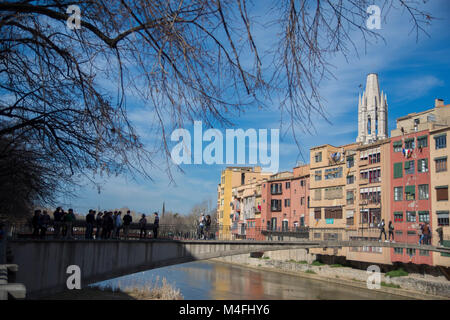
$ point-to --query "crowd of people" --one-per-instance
(424, 232)
(101, 225)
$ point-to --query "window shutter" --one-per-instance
(442, 193)
(398, 170)
(410, 189)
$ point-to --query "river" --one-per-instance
(207, 280)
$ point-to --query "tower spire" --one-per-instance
(372, 112)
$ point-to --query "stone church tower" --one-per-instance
(372, 112)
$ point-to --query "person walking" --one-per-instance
(98, 223)
(118, 224)
(155, 225)
(420, 232)
(57, 221)
(90, 220)
(440, 233)
(426, 233)
(142, 227)
(207, 226)
(105, 225)
(127, 219)
(45, 222)
(381, 226)
(36, 223)
(391, 231)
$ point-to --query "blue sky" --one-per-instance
(412, 74)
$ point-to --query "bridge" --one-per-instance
(43, 263)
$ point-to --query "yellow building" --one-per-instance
(440, 179)
(233, 177)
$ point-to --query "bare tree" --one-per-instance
(66, 93)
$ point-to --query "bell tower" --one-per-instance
(372, 112)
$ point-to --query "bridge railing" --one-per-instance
(217, 232)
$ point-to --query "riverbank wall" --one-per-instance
(300, 262)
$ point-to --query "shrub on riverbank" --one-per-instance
(389, 285)
(148, 290)
(397, 273)
(317, 263)
(310, 271)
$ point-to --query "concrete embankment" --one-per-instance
(299, 262)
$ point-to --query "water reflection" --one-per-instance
(217, 281)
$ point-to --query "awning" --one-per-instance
(398, 143)
(350, 214)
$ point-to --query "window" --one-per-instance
(350, 197)
(397, 146)
(422, 142)
(410, 216)
(409, 143)
(424, 216)
(302, 183)
(410, 193)
(350, 220)
(287, 202)
(441, 193)
(440, 141)
(333, 213)
(423, 192)
(333, 193)
(318, 157)
(318, 194)
(374, 158)
(302, 200)
(333, 173)
(410, 252)
(288, 185)
(318, 175)
(275, 205)
(398, 251)
(409, 167)
(275, 188)
(398, 216)
(442, 218)
(350, 179)
(422, 165)
(398, 170)
(398, 193)
(317, 213)
(424, 252)
(441, 164)
(350, 161)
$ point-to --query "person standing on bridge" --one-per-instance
(118, 224)
(207, 227)
(36, 223)
(98, 224)
(391, 231)
(155, 225)
(382, 225)
(127, 219)
(69, 219)
(90, 220)
(57, 221)
(45, 222)
(142, 227)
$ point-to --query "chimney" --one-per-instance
(438, 102)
